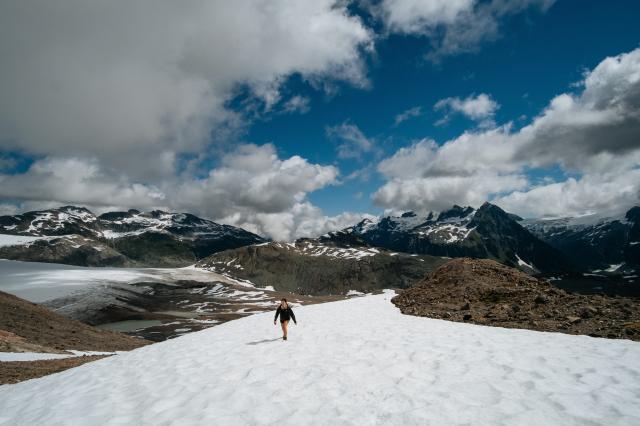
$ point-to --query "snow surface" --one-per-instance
(357, 361)
(39, 282)
(30, 356)
(17, 240)
(36, 356)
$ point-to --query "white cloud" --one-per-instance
(297, 103)
(252, 187)
(408, 114)
(7, 209)
(466, 171)
(589, 130)
(439, 193)
(302, 220)
(479, 108)
(353, 142)
(137, 82)
(77, 181)
(452, 26)
(593, 133)
(602, 194)
(417, 17)
(253, 179)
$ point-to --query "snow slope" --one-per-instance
(7, 240)
(39, 282)
(352, 362)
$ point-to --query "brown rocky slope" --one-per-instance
(28, 327)
(482, 291)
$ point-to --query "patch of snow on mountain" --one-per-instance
(342, 367)
(7, 240)
(38, 282)
(613, 268)
(523, 263)
(38, 356)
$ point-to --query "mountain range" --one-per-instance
(594, 243)
(76, 236)
(391, 251)
(486, 232)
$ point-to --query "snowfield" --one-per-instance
(357, 361)
(7, 240)
(39, 282)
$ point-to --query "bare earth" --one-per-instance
(28, 327)
(18, 371)
(485, 292)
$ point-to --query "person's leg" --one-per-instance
(284, 325)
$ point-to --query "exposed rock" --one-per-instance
(590, 312)
(316, 268)
(506, 297)
(541, 299)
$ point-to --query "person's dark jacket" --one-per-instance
(285, 314)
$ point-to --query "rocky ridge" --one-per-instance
(485, 292)
(313, 267)
(28, 327)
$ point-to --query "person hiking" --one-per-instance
(286, 313)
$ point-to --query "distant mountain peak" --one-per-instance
(71, 234)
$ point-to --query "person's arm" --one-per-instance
(292, 315)
(277, 313)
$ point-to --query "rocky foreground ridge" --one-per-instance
(28, 327)
(482, 291)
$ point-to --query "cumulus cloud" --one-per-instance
(418, 17)
(297, 103)
(590, 129)
(408, 114)
(452, 26)
(610, 193)
(251, 187)
(76, 181)
(440, 193)
(480, 108)
(425, 176)
(253, 179)
(132, 82)
(353, 143)
(593, 134)
(122, 103)
(302, 220)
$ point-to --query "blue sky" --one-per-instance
(285, 118)
(537, 56)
